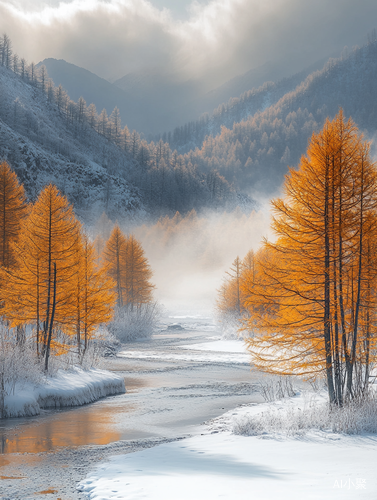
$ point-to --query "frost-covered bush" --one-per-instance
(276, 389)
(102, 344)
(131, 324)
(18, 363)
(355, 417)
(230, 324)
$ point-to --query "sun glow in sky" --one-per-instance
(179, 8)
(209, 41)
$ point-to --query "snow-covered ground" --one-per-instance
(228, 466)
(219, 464)
(216, 351)
(218, 345)
(67, 388)
(205, 357)
(168, 400)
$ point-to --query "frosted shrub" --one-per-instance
(277, 389)
(230, 324)
(100, 345)
(104, 344)
(131, 324)
(355, 417)
(18, 364)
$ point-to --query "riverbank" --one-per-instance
(167, 399)
(218, 463)
(75, 387)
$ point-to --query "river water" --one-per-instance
(174, 382)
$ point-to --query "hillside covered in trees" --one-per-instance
(244, 147)
(251, 139)
(92, 158)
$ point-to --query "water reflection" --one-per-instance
(92, 425)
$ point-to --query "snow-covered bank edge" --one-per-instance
(319, 464)
(67, 388)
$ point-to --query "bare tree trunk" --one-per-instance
(358, 298)
(20, 335)
(47, 321)
(51, 322)
(326, 319)
(2, 395)
(338, 380)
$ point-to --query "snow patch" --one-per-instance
(67, 388)
(196, 357)
(228, 466)
(234, 346)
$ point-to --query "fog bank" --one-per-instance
(190, 255)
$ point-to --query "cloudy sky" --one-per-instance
(205, 40)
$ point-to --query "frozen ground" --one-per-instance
(226, 466)
(167, 399)
(216, 463)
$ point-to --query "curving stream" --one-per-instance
(174, 382)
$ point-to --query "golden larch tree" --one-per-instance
(315, 285)
(38, 291)
(94, 296)
(114, 261)
(138, 289)
(13, 209)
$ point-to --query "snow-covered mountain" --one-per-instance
(243, 147)
(47, 137)
(43, 147)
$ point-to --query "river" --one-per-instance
(174, 382)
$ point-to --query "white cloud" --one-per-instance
(219, 39)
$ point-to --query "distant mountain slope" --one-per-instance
(151, 101)
(192, 134)
(79, 82)
(100, 166)
(43, 147)
(236, 87)
(164, 96)
(253, 154)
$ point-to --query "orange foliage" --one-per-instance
(127, 266)
(93, 296)
(13, 209)
(114, 260)
(138, 273)
(313, 300)
(55, 286)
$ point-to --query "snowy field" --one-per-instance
(219, 464)
(67, 388)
